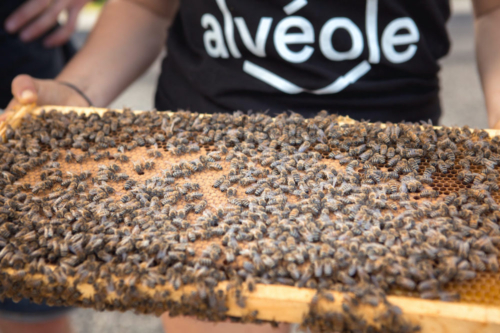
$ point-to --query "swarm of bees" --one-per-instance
(123, 199)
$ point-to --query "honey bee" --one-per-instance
(122, 176)
(390, 152)
(141, 142)
(395, 132)
(154, 152)
(449, 296)
(239, 202)
(121, 157)
(138, 167)
(132, 145)
(429, 171)
(231, 192)
(383, 138)
(429, 193)
(351, 165)
(464, 163)
(198, 208)
(79, 158)
(214, 166)
(377, 159)
(54, 155)
(492, 263)
(394, 160)
(413, 164)
(392, 205)
(159, 137)
(99, 156)
(129, 184)
(214, 156)
(466, 176)
(70, 156)
(304, 146)
(149, 164)
(413, 136)
(442, 166)
(321, 147)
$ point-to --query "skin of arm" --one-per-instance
(487, 27)
(128, 37)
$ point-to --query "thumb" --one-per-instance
(497, 125)
(25, 89)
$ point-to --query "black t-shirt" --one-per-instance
(17, 57)
(372, 59)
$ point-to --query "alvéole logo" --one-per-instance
(215, 39)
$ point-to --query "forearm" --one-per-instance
(126, 40)
(487, 28)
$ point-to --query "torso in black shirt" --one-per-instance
(372, 59)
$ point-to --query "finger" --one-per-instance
(6, 114)
(24, 89)
(44, 22)
(13, 105)
(497, 125)
(9, 110)
(63, 34)
(27, 90)
(25, 14)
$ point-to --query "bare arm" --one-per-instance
(487, 25)
(127, 38)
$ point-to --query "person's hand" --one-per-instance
(27, 90)
(496, 126)
(35, 17)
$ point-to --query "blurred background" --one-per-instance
(462, 103)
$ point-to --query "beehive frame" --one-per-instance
(289, 304)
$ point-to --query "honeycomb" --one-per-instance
(484, 289)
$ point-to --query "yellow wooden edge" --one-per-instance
(100, 111)
(291, 304)
(14, 119)
(81, 110)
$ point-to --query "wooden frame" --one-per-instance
(291, 304)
